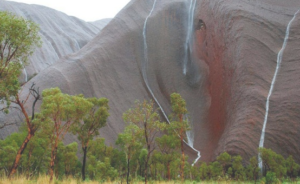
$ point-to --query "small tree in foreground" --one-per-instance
(130, 143)
(225, 160)
(58, 112)
(179, 124)
(18, 40)
(168, 145)
(147, 119)
(86, 130)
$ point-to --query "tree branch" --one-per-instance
(6, 124)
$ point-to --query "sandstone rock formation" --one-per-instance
(228, 76)
(101, 23)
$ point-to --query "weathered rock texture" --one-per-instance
(244, 38)
(227, 81)
(101, 23)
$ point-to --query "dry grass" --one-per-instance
(45, 180)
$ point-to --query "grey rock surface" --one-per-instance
(101, 23)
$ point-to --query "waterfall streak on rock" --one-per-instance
(144, 73)
(189, 40)
(25, 72)
(279, 59)
(190, 133)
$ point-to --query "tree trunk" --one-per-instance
(83, 163)
(169, 172)
(182, 159)
(146, 166)
(28, 164)
(155, 173)
(53, 156)
(128, 170)
(19, 154)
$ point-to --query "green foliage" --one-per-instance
(18, 39)
(168, 145)
(270, 177)
(292, 167)
(87, 128)
(134, 153)
(8, 151)
(204, 171)
(70, 158)
(238, 168)
(58, 107)
(178, 104)
(224, 159)
(94, 119)
(130, 140)
(230, 172)
(59, 111)
(253, 169)
(215, 169)
(145, 117)
(99, 161)
(273, 162)
(36, 157)
(130, 143)
(178, 124)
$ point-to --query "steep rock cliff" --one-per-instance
(228, 77)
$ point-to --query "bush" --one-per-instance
(270, 178)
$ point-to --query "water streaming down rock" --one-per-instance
(25, 72)
(189, 42)
(279, 60)
(144, 73)
(190, 32)
(26, 76)
(190, 133)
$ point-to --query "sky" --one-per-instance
(88, 10)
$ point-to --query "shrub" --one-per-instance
(270, 178)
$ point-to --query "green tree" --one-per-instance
(66, 161)
(253, 169)
(99, 161)
(292, 167)
(89, 128)
(130, 143)
(270, 177)
(60, 111)
(237, 166)
(9, 148)
(215, 169)
(203, 171)
(148, 120)
(168, 145)
(225, 160)
(70, 158)
(118, 161)
(18, 39)
(273, 162)
(36, 156)
(179, 124)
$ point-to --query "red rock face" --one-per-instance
(244, 38)
(227, 82)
